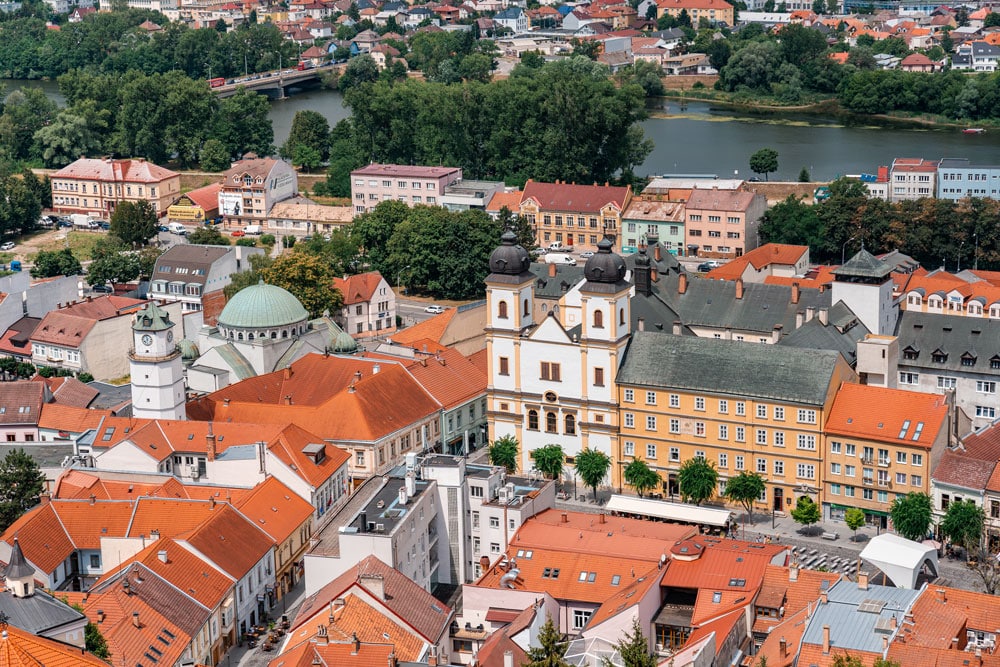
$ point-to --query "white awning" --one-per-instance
(680, 512)
(899, 558)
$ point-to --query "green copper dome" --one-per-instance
(344, 344)
(262, 306)
(189, 350)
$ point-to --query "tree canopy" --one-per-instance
(641, 477)
(49, 263)
(697, 480)
(745, 489)
(806, 512)
(505, 452)
(854, 517)
(592, 465)
(633, 649)
(764, 161)
(550, 648)
(963, 523)
(911, 515)
(21, 482)
(549, 460)
(134, 222)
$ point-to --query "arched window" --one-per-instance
(502, 310)
(598, 319)
(250, 336)
(570, 424)
(526, 311)
(240, 336)
(274, 334)
(532, 420)
(621, 317)
(545, 307)
(551, 423)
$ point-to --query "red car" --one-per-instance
(238, 233)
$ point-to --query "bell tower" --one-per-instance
(155, 364)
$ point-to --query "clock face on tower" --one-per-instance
(147, 339)
(170, 336)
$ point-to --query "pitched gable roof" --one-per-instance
(230, 541)
(358, 288)
(575, 198)
(903, 417)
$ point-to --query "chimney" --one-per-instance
(641, 324)
(432, 657)
(739, 288)
(682, 283)
(824, 316)
(100, 615)
(211, 502)
(776, 333)
(810, 313)
(162, 555)
(508, 659)
(392, 659)
(288, 373)
(93, 499)
(210, 443)
(826, 640)
(402, 495)
(484, 563)
(357, 643)
(824, 598)
(374, 584)
(799, 319)
(796, 292)
(783, 646)
(225, 402)
(941, 595)
(135, 619)
(602, 518)
(885, 642)
(564, 518)
(653, 276)
(44, 498)
(677, 328)
(793, 572)
(288, 399)
(863, 581)
(893, 622)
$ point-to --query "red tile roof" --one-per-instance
(512, 200)
(575, 198)
(778, 591)
(70, 419)
(231, 541)
(766, 255)
(43, 539)
(449, 377)
(431, 329)
(19, 648)
(119, 171)
(888, 415)
(275, 509)
(21, 402)
(206, 198)
(359, 288)
(719, 200)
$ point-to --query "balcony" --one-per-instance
(883, 463)
(885, 484)
(868, 460)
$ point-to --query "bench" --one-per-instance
(830, 536)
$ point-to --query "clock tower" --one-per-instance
(155, 363)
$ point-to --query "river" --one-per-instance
(706, 139)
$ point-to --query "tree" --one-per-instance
(49, 263)
(524, 230)
(134, 222)
(592, 465)
(806, 512)
(549, 460)
(251, 276)
(360, 69)
(764, 161)
(310, 129)
(214, 156)
(911, 515)
(633, 649)
(308, 278)
(804, 176)
(21, 481)
(206, 235)
(992, 20)
(697, 480)
(854, 518)
(113, 262)
(243, 124)
(641, 477)
(846, 660)
(505, 452)
(745, 489)
(551, 648)
(985, 564)
(95, 641)
(963, 524)
(75, 131)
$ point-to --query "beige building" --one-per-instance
(300, 217)
(252, 186)
(722, 223)
(94, 187)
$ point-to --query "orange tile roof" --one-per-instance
(43, 539)
(206, 198)
(816, 278)
(19, 648)
(431, 329)
(449, 377)
(628, 596)
(479, 359)
(577, 198)
(778, 591)
(86, 524)
(169, 516)
(69, 418)
(720, 625)
(336, 653)
(275, 509)
(196, 577)
(358, 288)
(767, 254)
(288, 446)
(718, 564)
(936, 621)
(719, 200)
(790, 630)
(130, 171)
(887, 415)
(229, 540)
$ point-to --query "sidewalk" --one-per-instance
(244, 656)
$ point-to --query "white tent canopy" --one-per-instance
(661, 509)
(900, 559)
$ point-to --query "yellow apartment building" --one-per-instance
(577, 216)
(881, 443)
(741, 406)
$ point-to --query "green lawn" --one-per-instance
(80, 243)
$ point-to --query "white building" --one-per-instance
(155, 367)
(864, 284)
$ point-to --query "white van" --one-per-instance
(178, 228)
(252, 230)
(559, 258)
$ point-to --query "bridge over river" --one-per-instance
(276, 80)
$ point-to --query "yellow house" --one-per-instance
(711, 10)
(577, 216)
(881, 443)
(741, 406)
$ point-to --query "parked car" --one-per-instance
(64, 223)
(103, 289)
(104, 224)
(587, 254)
(9, 245)
(434, 309)
(705, 267)
(538, 252)
(238, 233)
(162, 228)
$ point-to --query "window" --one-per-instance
(494, 547)
(807, 416)
(723, 460)
(850, 471)
(762, 466)
(699, 429)
(550, 422)
(475, 491)
(494, 522)
(835, 447)
(650, 451)
(779, 438)
(917, 459)
(779, 413)
(835, 489)
(850, 449)
(761, 436)
(741, 434)
(504, 366)
(741, 408)
(95, 561)
(475, 520)
(723, 432)
(675, 454)
(723, 407)
(550, 371)
(580, 618)
(359, 458)
(699, 403)
(986, 387)
(908, 378)
(598, 377)
(570, 422)
(779, 468)
(944, 382)
(598, 319)
(761, 412)
(968, 360)
(675, 425)
(807, 441)
(629, 448)
(629, 396)
(629, 420)
(650, 423)
(986, 411)
(849, 491)
(650, 398)
(834, 468)
(900, 478)
(739, 462)
(675, 400)
(901, 458)
(532, 420)
(867, 494)
(502, 310)
(805, 471)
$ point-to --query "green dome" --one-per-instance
(189, 351)
(344, 344)
(262, 306)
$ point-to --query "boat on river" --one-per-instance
(973, 130)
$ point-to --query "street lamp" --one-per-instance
(399, 276)
(843, 250)
(958, 268)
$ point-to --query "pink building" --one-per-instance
(413, 185)
(722, 223)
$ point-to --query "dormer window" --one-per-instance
(939, 357)
(910, 354)
(968, 360)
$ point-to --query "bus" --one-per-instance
(216, 82)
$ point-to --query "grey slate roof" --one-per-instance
(181, 261)
(851, 629)
(954, 335)
(18, 567)
(38, 613)
(816, 336)
(728, 367)
(863, 265)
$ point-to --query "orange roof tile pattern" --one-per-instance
(946, 284)
(129, 171)
(778, 590)
(626, 597)
(69, 418)
(358, 288)
(910, 418)
(187, 572)
(714, 569)
(167, 516)
(790, 632)
(43, 540)
(449, 377)
(346, 654)
(820, 277)
(228, 539)
(512, 200)
(275, 509)
(431, 329)
(759, 258)
(19, 648)
(575, 198)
